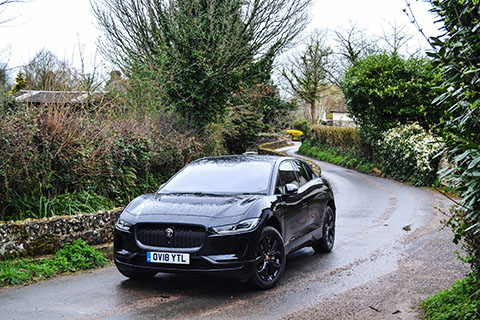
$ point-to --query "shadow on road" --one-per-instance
(215, 286)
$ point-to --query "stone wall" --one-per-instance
(278, 142)
(34, 237)
(270, 137)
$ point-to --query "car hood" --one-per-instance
(189, 208)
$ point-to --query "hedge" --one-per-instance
(342, 138)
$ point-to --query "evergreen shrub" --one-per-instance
(409, 153)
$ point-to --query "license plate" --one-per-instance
(168, 257)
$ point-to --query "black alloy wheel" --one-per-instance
(269, 259)
(325, 244)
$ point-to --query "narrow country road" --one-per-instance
(389, 254)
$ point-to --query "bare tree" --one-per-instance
(3, 77)
(3, 5)
(308, 74)
(91, 80)
(353, 43)
(144, 28)
(396, 37)
(413, 19)
(203, 49)
(46, 72)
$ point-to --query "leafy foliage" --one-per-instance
(36, 205)
(303, 125)
(337, 156)
(55, 161)
(460, 302)
(384, 90)
(71, 257)
(146, 88)
(457, 52)
(341, 146)
(241, 128)
(20, 83)
(47, 72)
(203, 49)
(343, 138)
(79, 255)
(409, 153)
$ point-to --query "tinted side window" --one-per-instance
(286, 174)
(303, 176)
(309, 170)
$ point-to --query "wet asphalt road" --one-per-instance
(372, 214)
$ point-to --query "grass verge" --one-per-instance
(72, 256)
(461, 301)
(336, 156)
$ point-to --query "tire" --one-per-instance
(325, 244)
(269, 259)
(137, 275)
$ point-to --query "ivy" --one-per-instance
(457, 52)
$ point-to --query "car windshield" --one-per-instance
(221, 176)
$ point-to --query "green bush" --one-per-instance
(241, 128)
(56, 161)
(36, 205)
(303, 125)
(460, 302)
(456, 52)
(78, 255)
(336, 156)
(384, 90)
(72, 256)
(409, 153)
(341, 138)
(339, 145)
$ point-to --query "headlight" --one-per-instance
(123, 225)
(242, 226)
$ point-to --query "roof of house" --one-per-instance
(340, 107)
(56, 97)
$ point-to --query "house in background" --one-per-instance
(75, 99)
(340, 115)
(330, 108)
(43, 97)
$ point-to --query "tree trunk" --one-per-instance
(313, 111)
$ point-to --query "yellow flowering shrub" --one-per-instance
(296, 134)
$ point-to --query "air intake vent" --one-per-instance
(184, 236)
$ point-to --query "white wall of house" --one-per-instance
(341, 116)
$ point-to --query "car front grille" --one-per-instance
(184, 236)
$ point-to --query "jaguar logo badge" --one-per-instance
(169, 232)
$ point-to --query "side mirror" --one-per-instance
(290, 188)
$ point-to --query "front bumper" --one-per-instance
(230, 256)
(240, 271)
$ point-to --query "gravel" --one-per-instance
(429, 266)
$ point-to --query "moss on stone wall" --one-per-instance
(34, 237)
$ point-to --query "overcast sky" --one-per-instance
(67, 26)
